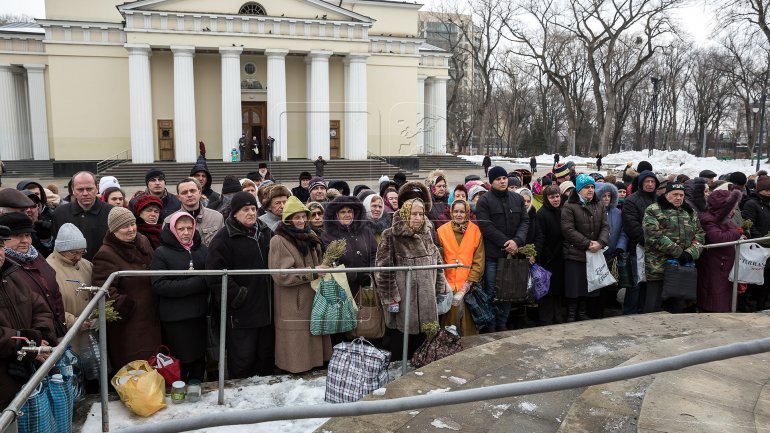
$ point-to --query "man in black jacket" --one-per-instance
(502, 218)
(85, 211)
(302, 191)
(155, 179)
(633, 214)
(244, 243)
(203, 175)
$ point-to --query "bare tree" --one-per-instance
(6, 18)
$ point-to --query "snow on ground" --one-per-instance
(240, 395)
(663, 162)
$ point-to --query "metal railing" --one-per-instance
(11, 413)
(114, 160)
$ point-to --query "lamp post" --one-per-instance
(655, 83)
(761, 109)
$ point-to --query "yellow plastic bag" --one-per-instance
(141, 388)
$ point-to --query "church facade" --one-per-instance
(149, 80)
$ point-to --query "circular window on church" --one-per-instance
(252, 8)
(250, 69)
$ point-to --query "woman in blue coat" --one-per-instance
(608, 197)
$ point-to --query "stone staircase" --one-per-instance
(725, 396)
(282, 171)
(29, 168)
(446, 162)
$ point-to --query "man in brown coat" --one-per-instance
(23, 313)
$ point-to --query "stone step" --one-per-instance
(29, 168)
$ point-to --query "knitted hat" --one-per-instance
(305, 175)
(738, 178)
(399, 178)
(514, 181)
(145, 200)
(341, 186)
(475, 191)
(763, 183)
(119, 217)
(230, 184)
(384, 178)
(292, 206)
(107, 182)
(642, 166)
(241, 200)
(496, 172)
(153, 172)
(254, 175)
(561, 170)
(274, 191)
(69, 238)
(316, 182)
(262, 165)
(564, 186)
(674, 186)
(17, 222)
(583, 180)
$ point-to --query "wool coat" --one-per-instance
(501, 216)
(715, 264)
(137, 334)
(401, 246)
(92, 223)
(296, 350)
(581, 224)
(668, 232)
(74, 302)
(758, 211)
(361, 245)
(22, 311)
(40, 277)
(633, 212)
(549, 245)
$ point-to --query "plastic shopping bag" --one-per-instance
(751, 264)
(597, 271)
(141, 388)
(641, 272)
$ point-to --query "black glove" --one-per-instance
(43, 229)
(240, 298)
(32, 335)
(685, 258)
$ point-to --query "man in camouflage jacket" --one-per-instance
(671, 231)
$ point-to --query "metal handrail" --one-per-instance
(113, 161)
(11, 412)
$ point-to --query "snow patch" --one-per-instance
(499, 409)
(379, 391)
(527, 406)
(438, 391)
(445, 423)
(418, 373)
(457, 380)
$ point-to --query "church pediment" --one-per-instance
(299, 9)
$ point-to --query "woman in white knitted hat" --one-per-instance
(70, 266)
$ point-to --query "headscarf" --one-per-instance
(405, 212)
(461, 227)
(176, 216)
(526, 192)
(368, 206)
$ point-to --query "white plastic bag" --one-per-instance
(640, 270)
(597, 271)
(751, 261)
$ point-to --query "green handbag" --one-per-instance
(333, 310)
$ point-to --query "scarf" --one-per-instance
(304, 239)
(463, 226)
(405, 212)
(27, 257)
(172, 226)
(584, 201)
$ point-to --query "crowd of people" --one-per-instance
(53, 243)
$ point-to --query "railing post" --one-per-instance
(103, 380)
(407, 306)
(222, 336)
(735, 277)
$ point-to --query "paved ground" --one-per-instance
(726, 396)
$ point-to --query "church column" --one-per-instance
(9, 123)
(140, 103)
(420, 125)
(38, 114)
(185, 137)
(319, 102)
(356, 121)
(22, 116)
(439, 112)
(276, 102)
(429, 116)
(231, 99)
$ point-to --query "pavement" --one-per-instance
(725, 396)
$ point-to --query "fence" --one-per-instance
(10, 413)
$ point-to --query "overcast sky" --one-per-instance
(694, 18)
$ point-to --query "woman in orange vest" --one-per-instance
(461, 240)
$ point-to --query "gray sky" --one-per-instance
(694, 18)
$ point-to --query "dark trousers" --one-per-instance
(250, 351)
(394, 343)
(653, 300)
(550, 309)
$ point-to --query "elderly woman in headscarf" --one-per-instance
(526, 194)
(408, 242)
(375, 212)
(296, 246)
(461, 241)
(183, 300)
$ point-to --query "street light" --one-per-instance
(655, 87)
(760, 107)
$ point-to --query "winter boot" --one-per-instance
(581, 312)
(571, 311)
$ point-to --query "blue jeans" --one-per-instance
(502, 309)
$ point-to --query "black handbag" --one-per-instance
(680, 282)
(512, 279)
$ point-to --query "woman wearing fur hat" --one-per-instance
(183, 300)
(585, 228)
(295, 245)
(409, 243)
(137, 334)
(274, 199)
(68, 263)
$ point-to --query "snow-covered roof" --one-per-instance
(31, 28)
(426, 47)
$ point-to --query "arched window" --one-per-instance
(252, 8)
